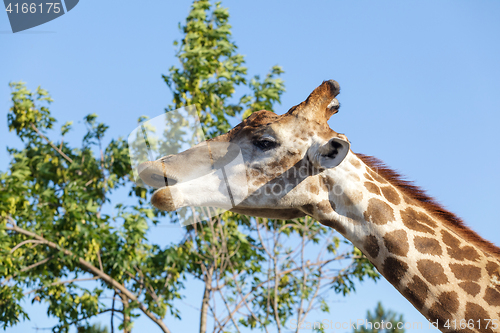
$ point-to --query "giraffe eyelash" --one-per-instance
(265, 143)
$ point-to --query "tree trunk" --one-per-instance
(206, 299)
(126, 315)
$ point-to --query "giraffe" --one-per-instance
(296, 165)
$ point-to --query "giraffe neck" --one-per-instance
(445, 270)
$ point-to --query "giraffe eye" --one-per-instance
(265, 144)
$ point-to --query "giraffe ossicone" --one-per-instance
(296, 165)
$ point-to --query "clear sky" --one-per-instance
(420, 90)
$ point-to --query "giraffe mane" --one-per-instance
(429, 204)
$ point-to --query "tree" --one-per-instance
(55, 234)
(60, 227)
(94, 328)
(382, 321)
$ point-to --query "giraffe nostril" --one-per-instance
(164, 181)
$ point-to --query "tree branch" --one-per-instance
(61, 282)
(113, 313)
(88, 267)
(11, 220)
(254, 288)
(22, 243)
(100, 261)
(96, 314)
(50, 143)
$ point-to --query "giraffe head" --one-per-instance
(282, 155)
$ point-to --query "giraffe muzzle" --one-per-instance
(168, 153)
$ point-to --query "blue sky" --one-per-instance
(420, 89)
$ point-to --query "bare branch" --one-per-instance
(100, 261)
(61, 282)
(98, 313)
(41, 262)
(126, 314)
(113, 313)
(149, 290)
(275, 260)
(50, 143)
(260, 238)
(22, 243)
(11, 220)
(245, 298)
(228, 309)
(304, 278)
(312, 299)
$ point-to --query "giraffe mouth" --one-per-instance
(162, 180)
(164, 200)
(155, 175)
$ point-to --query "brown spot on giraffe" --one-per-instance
(254, 173)
(470, 288)
(493, 268)
(442, 310)
(355, 163)
(335, 225)
(371, 187)
(391, 195)
(396, 242)
(416, 292)
(466, 272)
(427, 245)
(449, 300)
(314, 189)
(327, 184)
(378, 212)
(325, 206)
(351, 197)
(354, 216)
(492, 297)
(371, 246)
(377, 177)
(456, 251)
(368, 177)
(432, 271)
(323, 185)
(408, 199)
(276, 167)
(308, 209)
(394, 270)
(259, 180)
(354, 177)
(417, 221)
(480, 317)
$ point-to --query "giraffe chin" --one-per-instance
(162, 199)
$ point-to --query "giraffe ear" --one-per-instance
(330, 154)
(321, 103)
